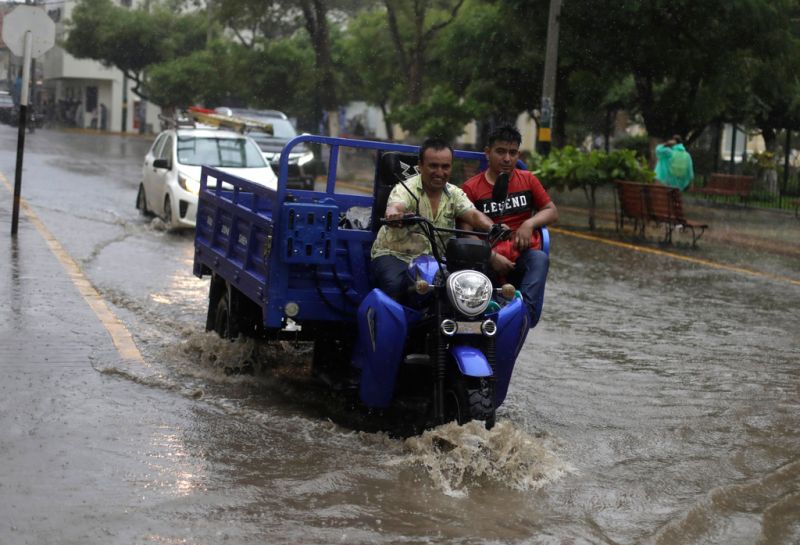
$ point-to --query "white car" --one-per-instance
(171, 172)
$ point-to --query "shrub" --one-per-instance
(568, 168)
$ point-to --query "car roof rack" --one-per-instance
(215, 119)
(179, 121)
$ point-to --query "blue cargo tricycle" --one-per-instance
(293, 264)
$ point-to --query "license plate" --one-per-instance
(469, 328)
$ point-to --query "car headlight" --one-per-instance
(189, 184)
(469, 292)
(302, 159)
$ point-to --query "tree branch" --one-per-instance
(439, 26)
(397, 39)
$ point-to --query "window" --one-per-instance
(166, 150)
(155, 148)
(219, 152)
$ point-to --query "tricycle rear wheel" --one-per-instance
(222, 317)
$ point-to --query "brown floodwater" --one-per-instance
(657, 402)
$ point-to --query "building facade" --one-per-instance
(82, 93)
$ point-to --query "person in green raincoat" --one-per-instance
(674, 164)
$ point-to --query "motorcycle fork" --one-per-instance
(491, 357)
(440, 367)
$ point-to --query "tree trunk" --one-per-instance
(412, 61)
(387, 124)
(315, 13)
(770, 136)
(333, 122)
(591, 199)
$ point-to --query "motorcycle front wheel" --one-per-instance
(470, 398)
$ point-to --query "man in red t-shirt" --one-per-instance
(515, 197)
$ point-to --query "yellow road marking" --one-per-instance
(654, 251)
(120, 336)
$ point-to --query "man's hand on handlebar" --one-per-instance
(395, 214)
(400, 219)
(498, 232)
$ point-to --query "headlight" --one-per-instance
(469, 292)
(306, 157)
(189, 184)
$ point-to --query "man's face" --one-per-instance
(435, 168)
(502, 156)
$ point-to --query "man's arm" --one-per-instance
(395, 211)
(545, 216)
(475, 219)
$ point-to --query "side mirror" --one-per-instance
(162, 163)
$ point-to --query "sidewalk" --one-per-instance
(79, 446)
(45, 320)
(767, 241)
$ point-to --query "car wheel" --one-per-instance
(168, 211)
(141, 202)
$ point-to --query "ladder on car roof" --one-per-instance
(215, 119)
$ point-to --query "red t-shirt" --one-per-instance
(525, 197)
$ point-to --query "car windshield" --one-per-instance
(219, 152)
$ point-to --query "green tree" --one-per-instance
(253, 21)
(132, 40)
(203, 76)
(280, 75)
(493, 60)
(681, 54)
(369, 63)
(773, 94)
(441, 113)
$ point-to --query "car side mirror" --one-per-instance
(162, 163)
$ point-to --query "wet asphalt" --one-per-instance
(658, 402)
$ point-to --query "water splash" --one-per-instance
(459, 457)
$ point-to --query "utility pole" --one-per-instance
(544, 139)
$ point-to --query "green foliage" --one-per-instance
(441, 114)
(132, 40)
(639, 144)
(762, 161)
(280, 75)
(493, 59)
(202, 77)
(569, 168)
(688, 59)
(680, 64)
(368, 60)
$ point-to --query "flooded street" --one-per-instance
(657, 402)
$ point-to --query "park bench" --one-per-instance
(730, 185)
(655, 203)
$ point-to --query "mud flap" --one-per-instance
(382, 327)
(512, 330)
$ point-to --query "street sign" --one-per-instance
(28, 32)
(23, 19)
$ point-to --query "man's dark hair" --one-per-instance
(504, 133)
(435, 144)
(678, 139)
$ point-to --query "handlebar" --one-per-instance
(495, 234)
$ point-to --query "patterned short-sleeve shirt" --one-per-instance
(406, 243)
